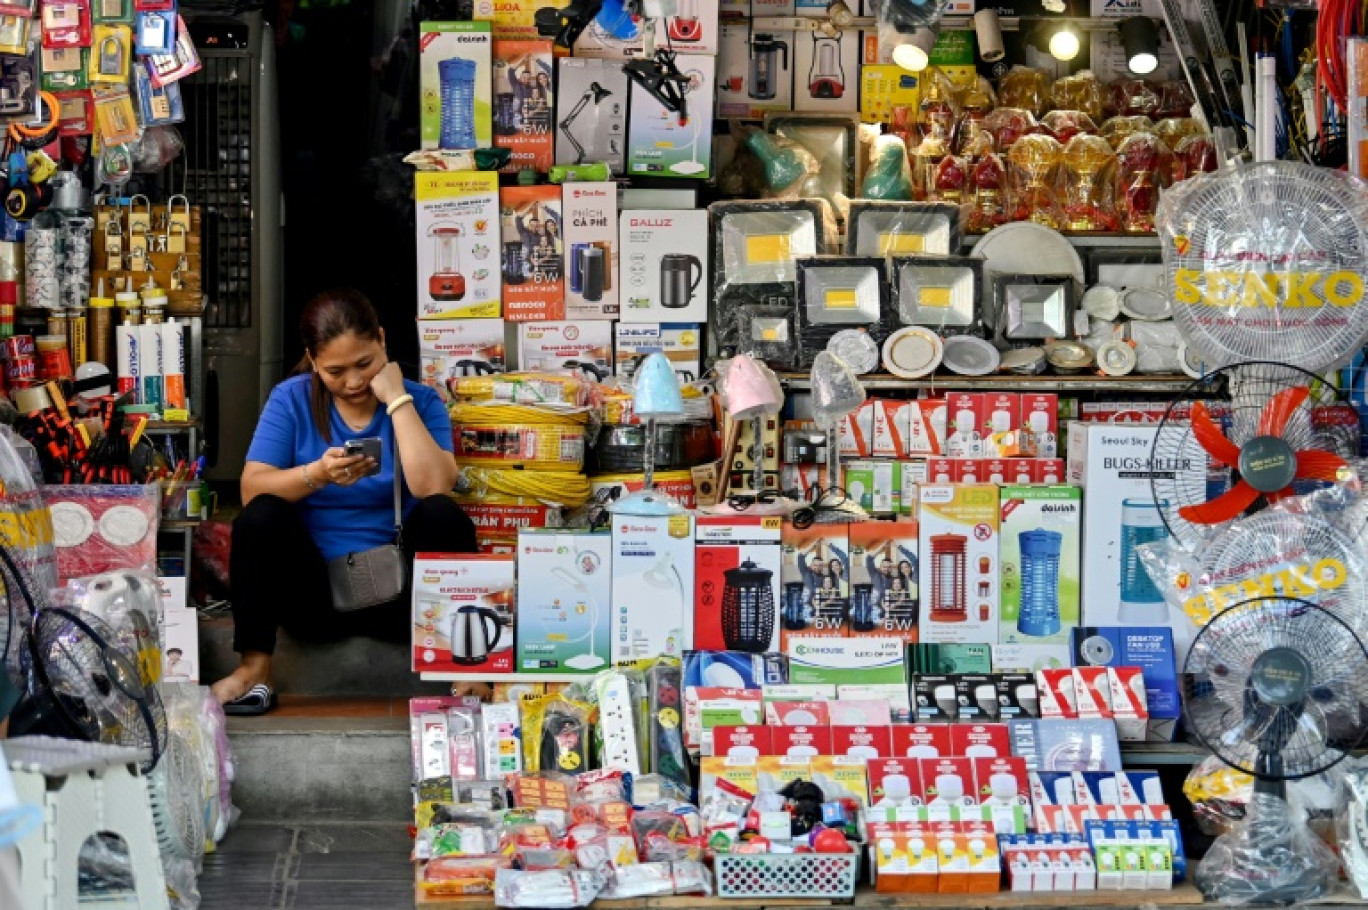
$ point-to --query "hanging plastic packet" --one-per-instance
(724, 812)
(155, 32)
(665, 724)
(477, 834)
(157, 105)
(560, 890)
(538, 859)
(181, 62)
(620, 697)
(654, 789)
(115, 118)
(462, 876)
(657, 880)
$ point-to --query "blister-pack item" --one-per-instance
(476, 834)
(66, 25)
(658, 879)
(556, 735)
(115, 118)
(154, 32)
(111, 55)
(181, 62)
(104, 528)
(462, 876)
(157, 106)
(553, 890)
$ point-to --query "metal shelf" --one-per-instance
(1008, 383)
(507, 677)
(1139, 754)
(1141, 242)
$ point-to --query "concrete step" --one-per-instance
(324, 760)
(353, 667)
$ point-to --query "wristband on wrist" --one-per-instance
(398, 403)
(308, 481)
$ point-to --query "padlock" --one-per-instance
(139, 221)
(175, 238)
(113, 242)
(137, 240)
(181, 217)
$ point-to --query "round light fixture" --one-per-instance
(913, 52)
(1140, 38)
(1065, 43)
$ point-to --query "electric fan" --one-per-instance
(1267, 262)
(1265, 446)
(176, 788)
(82, 686)
(1278, 689)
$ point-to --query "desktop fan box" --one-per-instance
(450, 348)
(469, 202)
(442, 585)
(1026, 509)
(564, 592)
(440, 41)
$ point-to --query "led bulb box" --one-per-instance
(723, 544)
(664, 267)
(653, 585)
(1041, 544)
(458, 239)
(455, 61)
(454, 348)
(463, 613)
(680, 342)
(959, 557)
(564, 596)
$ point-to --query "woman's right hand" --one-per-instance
(342, 469)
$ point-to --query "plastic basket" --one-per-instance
(787, 875)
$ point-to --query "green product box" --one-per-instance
(1040, 546)
(456, 67)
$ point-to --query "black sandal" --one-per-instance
(258, 700)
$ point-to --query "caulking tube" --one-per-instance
(129, 358)
(150, 377)
(173, 363)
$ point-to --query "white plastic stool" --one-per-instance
(84, 789)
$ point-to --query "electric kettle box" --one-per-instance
(1042, 538)
(455, 63)
(458, 239)
(452, 348)
(463, 613)
(591, 250)
(664, 265)
(652, 605)
(661, 143)
(564, 590)
(591, 112)
(584, 345)
(959, 563)
(531, 253)
(883, 573)
(723, 543)
(754, 76)
(1150, 649)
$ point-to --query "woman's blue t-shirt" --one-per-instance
(341, 520)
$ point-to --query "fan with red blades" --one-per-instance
(1245, 436)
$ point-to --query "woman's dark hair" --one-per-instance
(328, 316)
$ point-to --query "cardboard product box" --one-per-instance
(1126, 687)
(1003, 471)
(1017, 696)
(743, 773)
(524, 102)
(693, 31)
(453, 348)
(894, 695)
(1092, 692)
(664, 265)
(790, 692)
(883, 569)
(926, 427)
(1055, 689)
(768, 55)
(723, 544)
(875, 484)
(1001, 414)
(511, 20)
(1048, 745)
(894, 782)
(815, 573)
(741, 742)
(979, 740)
(591, 250)
(653, 585)
(614, 34)
(681, 342)
(1002, 781)
(976, 698)
(1042, 530)
(891, 419)
(1112, 463)
(1151, 650)
(964, 417)
(179, 632)
(564, 593)
(906, 860)
(798, 713)
(921, 740)
(708, 707)
(946, 658)
(971, 470)
(458, 238)
(533, 226)
(1040, 416)
(947, 781)
(826, 72)
(1048, 470)
(844, 660)
(941, 470)
(463, 613)
(841, 778)
(801, 742)
(591, 112)
(658, 143)
(584, 345)
(861, 741)
(934, 699)
(855, 433)
(960, 567)
(1028, 658)
(458, 53)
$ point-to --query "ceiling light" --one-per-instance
(913, 52)
(1140, 38)
(1065, 43)
(989, 33)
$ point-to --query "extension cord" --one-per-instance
(619, 747)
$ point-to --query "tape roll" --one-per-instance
(31, 399)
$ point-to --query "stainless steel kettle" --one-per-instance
(471, 638)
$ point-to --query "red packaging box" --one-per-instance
(1001, 413)
(941, 470)
(921, 740)
(964, 416)
(1040, 416)
(1047, 470)
(947, 782)
(742, 741)
(992, 784)
(970, 470)
(907, 778)
(801, 742)
(1002, 471)
(979, 740)
(861, 741)
(1092, 692)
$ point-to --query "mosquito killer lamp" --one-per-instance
(446, 281)
(748, 608)
(457, 76)
(862, 618)
(1142, 603)
(795, 618)
(655, 394)
(948, 595)
(1039, 614)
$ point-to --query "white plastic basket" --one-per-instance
(824, 875)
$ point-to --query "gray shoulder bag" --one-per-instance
(375, 576)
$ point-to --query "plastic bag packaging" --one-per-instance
(652, 789)
(1133, 97)
(104, 528)
(1064, 124)
(1089, 176)
(1117, 129)
(1175, 129)
(1156, 347)
(130, 603)
(1351, 822)
(1271, 857)
(1175, 99)
(155, 149)
(657, 879)
(889, 176)
(1079, 92)
(460, 876)
(1008, 124)
(26, 533)
(1027, 88)
(988, 180)
(1192, 156)
(1144, 165)
(477, 833)
(787, 165)
(906, 16)
(555, 890)
(556, 735)
(1033, 164)
(975, 103)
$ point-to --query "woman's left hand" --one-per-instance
(388, 384)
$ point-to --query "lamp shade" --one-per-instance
(752, 389)
(835, 390)
(657, 391)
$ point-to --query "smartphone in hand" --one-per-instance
(370, 446)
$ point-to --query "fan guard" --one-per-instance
(1267, 262)
(176, 788)
(1261, 410)
(1278, 688)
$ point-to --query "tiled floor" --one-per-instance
(309, 867)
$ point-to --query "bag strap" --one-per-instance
(398, 496)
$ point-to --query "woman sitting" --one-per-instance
(307, 501)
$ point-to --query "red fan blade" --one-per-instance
(1278, 410)
(1315, 464)
(1222, 450)
(1225, 507)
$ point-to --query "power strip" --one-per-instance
(668, 755)
(619, 747)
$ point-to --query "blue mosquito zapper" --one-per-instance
(1141, 602)
(458, 103)
(1039, 614)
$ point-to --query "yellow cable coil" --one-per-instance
(493, 486)
(519, 388)
(519, 436)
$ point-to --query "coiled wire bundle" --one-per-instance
(519, 436)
